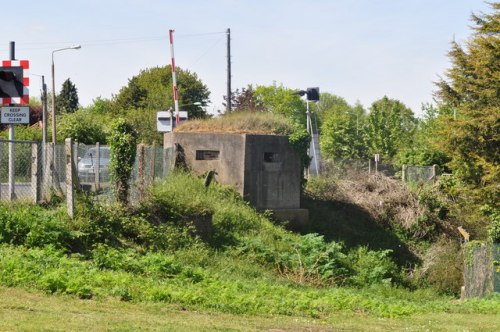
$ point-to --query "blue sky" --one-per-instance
(360, 50)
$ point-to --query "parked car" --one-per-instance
(87, 165)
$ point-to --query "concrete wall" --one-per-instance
(272, 173)
(230, 164)
(262, 168)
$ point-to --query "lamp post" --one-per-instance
(74, 47)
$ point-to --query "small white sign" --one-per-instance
(16, 114)
(165, 120)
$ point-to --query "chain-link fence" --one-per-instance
(419, 174)
(151, 164)
(345, 166)
(30, 171)
(19, 165)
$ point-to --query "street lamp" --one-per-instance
(74, 47)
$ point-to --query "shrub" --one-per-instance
(93, 223)
(372, 267)
(33, 226)
(442, 267)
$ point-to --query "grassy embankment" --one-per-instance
(205, 255)
(163, 252)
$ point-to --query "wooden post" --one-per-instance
(97, 167)
(404, 172)
(70, 199)
(36, 183)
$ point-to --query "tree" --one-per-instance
(244, 100)
(280, 100)
(469, 101)
(67, 100)
(390, 127)
(342, 129)
(422, 151)
(151, 89)
(131, 95)
(82, 126)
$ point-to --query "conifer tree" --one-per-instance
(67, 100)
(469, 100)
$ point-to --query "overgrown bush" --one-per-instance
(442, 267)
(123, 145)
(372, 267)
(33, 226)
(94, 223)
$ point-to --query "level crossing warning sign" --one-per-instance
(15, 114)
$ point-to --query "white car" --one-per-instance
(87, 166)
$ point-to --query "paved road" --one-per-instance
(22, 190)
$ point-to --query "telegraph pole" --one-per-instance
(228, 104)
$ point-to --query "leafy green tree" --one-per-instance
(123, 145)
(390, 127)
(83, 127)
(280, 100)
(423, 151)
(342, 129)
(101, 106)
(131, 95)
(67, 100)
(469, 98)
(151, 89)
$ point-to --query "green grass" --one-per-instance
(156, 279)
(207, 251)
(31, 311)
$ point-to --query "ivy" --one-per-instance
(123, 144)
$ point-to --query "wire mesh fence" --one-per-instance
(31, 171)
(16, 169)
(419, 174)
(151, 164)
(346, 166)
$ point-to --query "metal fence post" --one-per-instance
(141, 170)
(70, 199)
(435, 171)
(97, 167)
(153, 163)
(404, 171)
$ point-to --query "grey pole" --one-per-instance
(12, 165)
(45, 122)
(44, 111)
(53, 104)
(229, 97)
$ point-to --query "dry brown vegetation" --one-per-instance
(261, 123)
(385, 199)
